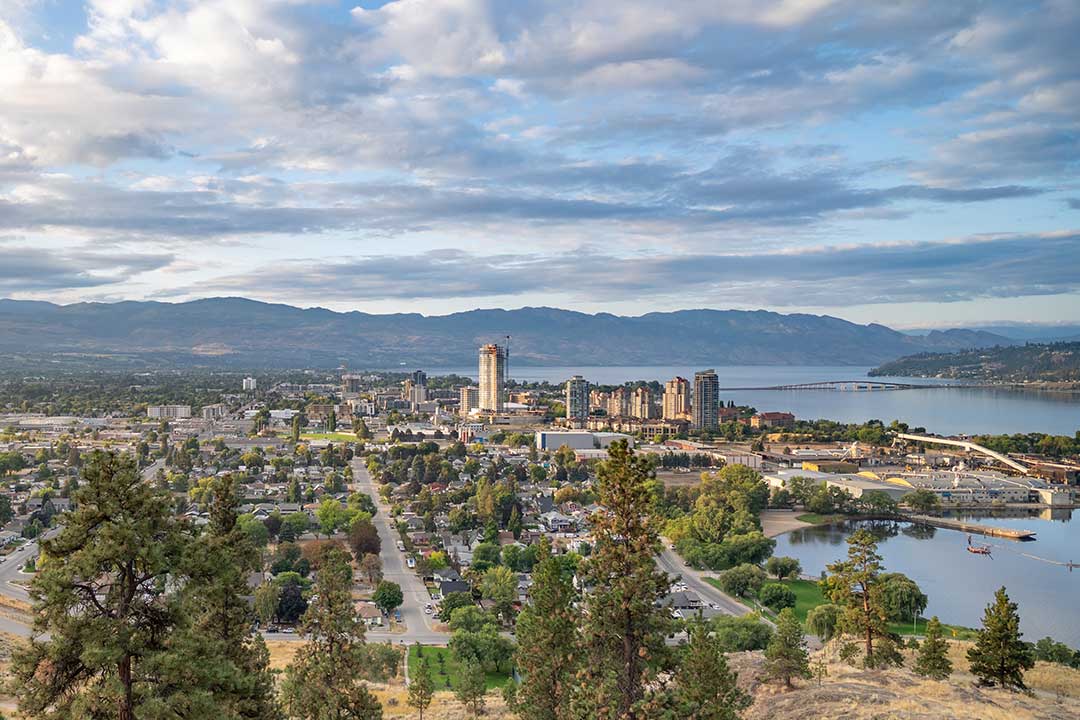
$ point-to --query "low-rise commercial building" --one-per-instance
(169, 412)
(855, 484)
(578, 440)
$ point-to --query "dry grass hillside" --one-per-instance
(846, 693)
(855, 694)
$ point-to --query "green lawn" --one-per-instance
(448, 669)
(808, 596)
(332, 437)
(815, 519)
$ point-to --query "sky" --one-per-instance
(913, 163)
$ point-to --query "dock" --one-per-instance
(974, 528)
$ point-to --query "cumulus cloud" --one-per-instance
(575, 122)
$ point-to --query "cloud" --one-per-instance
(31, 269)
(979, 267)
(692, 126)
(613, 194)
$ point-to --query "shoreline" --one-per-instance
(776, 522)
(779, 522)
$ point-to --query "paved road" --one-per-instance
(418, 624)
(9, 571)
(670, 562)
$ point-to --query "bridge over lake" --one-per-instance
(848, 386)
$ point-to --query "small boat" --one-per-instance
(978, 549)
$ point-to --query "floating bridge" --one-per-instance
(845, 386)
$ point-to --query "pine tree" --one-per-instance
(855, 585)
(546, 635)
(472, 686)
(933, 659)
(623, 637)
(218, 641)
(999, 657)
(326, 679)
(101, 599)
(786, 656)
(707, 688)
(421, 688)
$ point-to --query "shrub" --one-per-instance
(738, 634)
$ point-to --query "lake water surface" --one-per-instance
(960, 584)
(947, 411)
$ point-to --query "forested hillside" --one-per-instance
(1050, 362)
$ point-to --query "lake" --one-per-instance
(953, 411)
(960, 584)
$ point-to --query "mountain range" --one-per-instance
(241, 333)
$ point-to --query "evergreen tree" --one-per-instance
(514, 523)
(706, 688)
(623, 637)
(292, 493)
(326, 678)
(360, 429)
(101, 598)
(999, 657)
(472, 686)
(546, 635)
(856, 586)
(786, 656)
(421, 688)
(933, 659)
(233, 661)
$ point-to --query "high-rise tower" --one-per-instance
(676, 399)
(706, 404)
(577, 399)
(492, 377)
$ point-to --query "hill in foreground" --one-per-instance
(846, 692)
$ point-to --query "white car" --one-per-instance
(410, 562)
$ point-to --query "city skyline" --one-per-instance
(874, 162)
